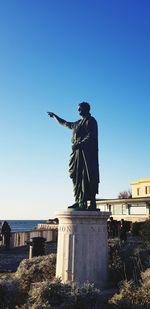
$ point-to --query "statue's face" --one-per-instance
(82, 111)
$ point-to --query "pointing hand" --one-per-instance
(51, 114)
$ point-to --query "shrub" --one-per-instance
(127, 262)
(48, 294)
(145, 231)
(32, 288)
(14, 291)
(36, 270)
(64, 296)
(131, 294)
(136, 227)
(10, 293)
(86, 296)
(116, 266)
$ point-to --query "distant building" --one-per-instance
(133, 209)
(141, 188)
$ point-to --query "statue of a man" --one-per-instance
(83, 165)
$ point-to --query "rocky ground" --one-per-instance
(10, 259)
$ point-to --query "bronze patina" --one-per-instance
(83, 165)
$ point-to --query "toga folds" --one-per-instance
(83, 165)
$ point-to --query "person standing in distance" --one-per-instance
(83, 165)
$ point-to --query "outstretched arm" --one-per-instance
(58, 119)
(65, 123)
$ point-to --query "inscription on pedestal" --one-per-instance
(73, 229)
(67, 228)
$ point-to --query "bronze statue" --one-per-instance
(83, 165)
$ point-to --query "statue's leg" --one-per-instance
(92, 202)
(76, 194)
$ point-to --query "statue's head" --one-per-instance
(84, 109)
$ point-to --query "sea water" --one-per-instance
(23, 225)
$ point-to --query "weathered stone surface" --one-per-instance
(82, 251)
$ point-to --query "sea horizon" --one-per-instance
(23, 225)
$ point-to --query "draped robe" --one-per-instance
(83, 165)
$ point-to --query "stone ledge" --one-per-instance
(83, 214)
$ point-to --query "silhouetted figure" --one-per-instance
(111, 228)
(123, 231)
(0, 232)
(6, 234)
(83, 166)
(108, 228)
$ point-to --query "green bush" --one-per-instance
(47, 294)
(36, 269)
(11, 293)
(14, 291)
(127, 262)
(136, 227)
(116, 265)
(145, 231)
(128, 225)
(33, 287)
(132, 294)
(64, 296)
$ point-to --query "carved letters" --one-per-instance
(73, 229)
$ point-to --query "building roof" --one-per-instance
(140, 181)
(124, 200)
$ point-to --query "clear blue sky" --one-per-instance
(53, 55)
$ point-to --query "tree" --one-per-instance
(125, 194)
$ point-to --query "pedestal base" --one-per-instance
(82, 250)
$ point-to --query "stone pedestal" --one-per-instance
(82, 250)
